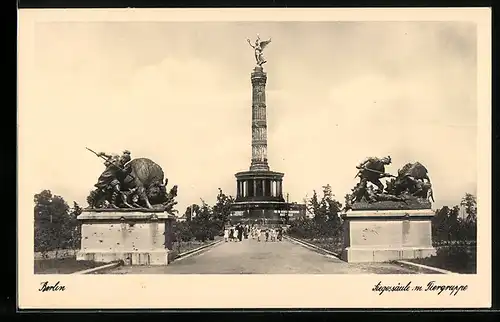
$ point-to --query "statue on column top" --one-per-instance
(258, 47)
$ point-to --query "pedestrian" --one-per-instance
(235, 234)
(267, 234)
(226, 234)
(240, 233)
(231, 234)
(257, 232)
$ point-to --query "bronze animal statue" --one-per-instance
(146, 177)
(130, 183)
(412, 179)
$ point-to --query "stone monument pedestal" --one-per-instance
(384, 235)
(136, 237)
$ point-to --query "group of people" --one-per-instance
(240, 232)
(272, 234)
(236, 233)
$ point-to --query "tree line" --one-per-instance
(449, 226)
(204, 222)
(56, 225)
(325, 220)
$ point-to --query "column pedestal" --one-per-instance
(379, 236)
(134, 237)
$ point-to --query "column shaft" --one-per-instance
(259, 122)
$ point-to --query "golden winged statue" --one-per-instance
(258, 47)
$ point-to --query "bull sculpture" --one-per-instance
(142, 184)
(146, 177)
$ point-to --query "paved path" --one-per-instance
(252, 257)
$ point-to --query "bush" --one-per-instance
(310, 229)
(456, 258)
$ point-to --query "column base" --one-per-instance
(259, 167)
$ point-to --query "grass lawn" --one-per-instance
(460, 259)
(63, 265)
(186, 246)
(331, 244)
(455, 258)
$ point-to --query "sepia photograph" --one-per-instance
(233, 147)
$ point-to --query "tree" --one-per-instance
(469, 202)
(439, 223)
(453, 224)
(314, 206)
(347, 200)
(202, 225)
(183, 232)
(73, 227)
(308, 212)
(222, 209)
(445, 224)
(203, 221)
(448, 226)
(333, 207)
(326, 221)
(54, 224)
(190, 211)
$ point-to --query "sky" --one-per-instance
(179, 93)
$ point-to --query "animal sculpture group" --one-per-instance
(410, 189)
(136, 184)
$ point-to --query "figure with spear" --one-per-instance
(372, 170)
(113, 175)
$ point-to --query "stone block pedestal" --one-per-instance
(134, 237)
(384, 235)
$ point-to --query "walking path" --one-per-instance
(252, 257)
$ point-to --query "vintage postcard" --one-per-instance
(254, 158)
